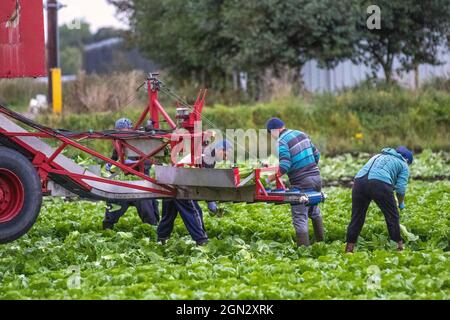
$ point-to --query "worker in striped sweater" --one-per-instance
(299, 159)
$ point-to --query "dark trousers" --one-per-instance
(192, 216)
(147, 210)
(364, 191)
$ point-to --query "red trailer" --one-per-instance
(31, 167)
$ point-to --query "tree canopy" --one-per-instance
(211, 39)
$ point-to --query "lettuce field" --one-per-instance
(251, 255)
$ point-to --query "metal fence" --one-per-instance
(347, 74)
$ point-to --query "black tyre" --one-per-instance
(20, 195)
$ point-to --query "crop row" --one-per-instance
(251, 255)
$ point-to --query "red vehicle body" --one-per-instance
(22, 47)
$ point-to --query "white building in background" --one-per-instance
(347, 74)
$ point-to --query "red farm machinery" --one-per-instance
(33, 164)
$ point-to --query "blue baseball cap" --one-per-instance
(274, 123)
(406, 153)
(123, 123)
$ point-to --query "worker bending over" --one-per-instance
(147, 209)
(299, 159)
(377, 180)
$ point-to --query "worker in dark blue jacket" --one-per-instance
(190, 210)
(147, 209)
(377, 180)
(299, 159)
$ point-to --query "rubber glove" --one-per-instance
(108, 167)
(212, 206)
(112, 168)
(127, 161)
(401, 206)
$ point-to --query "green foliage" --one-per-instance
(73, 40)
(181, 36)
(211, 38)
(438, 83)
(360, 120)
(71, 60)
(427, 165)
(273, 33)
(74, 37)
(252, 255)
(411, 31)
(18, 92)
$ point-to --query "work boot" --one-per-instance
(318, 229)
(303, 239)
(163, 241)
(349, 247)
(400, 246)
(202, 243)
(108, 225)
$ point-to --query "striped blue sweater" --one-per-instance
(298, 156)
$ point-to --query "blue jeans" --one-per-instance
(192, 216)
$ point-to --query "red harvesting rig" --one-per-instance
(32, 163)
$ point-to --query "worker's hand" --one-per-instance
(111, 168)
(272, 177)
(127, 161)
(401, 205)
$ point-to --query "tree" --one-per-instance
(72, 42)
(71, 60)
(105, 33)
(213, 38)
(70, 37)
(281, 35)
(411, 31)
(209, 39)
(182, 36)
(277, 33)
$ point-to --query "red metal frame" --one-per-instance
(154, 107)
(46, 165)
(261, 193)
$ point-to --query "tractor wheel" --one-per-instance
(20, 195)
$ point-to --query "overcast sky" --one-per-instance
(97, 12)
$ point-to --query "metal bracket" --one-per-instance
(54, 5)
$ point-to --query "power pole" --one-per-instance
(52, 44)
